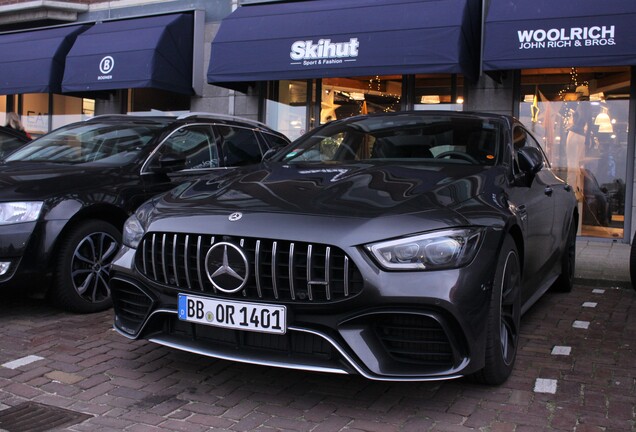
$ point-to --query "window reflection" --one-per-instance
(581, 117)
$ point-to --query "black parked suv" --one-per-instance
(65, 196)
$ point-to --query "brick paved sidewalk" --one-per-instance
(576, 371)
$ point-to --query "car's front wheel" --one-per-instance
(504, 318)
(83, 266)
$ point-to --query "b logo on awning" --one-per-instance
(106, 66)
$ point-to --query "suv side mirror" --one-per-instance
(170, 163)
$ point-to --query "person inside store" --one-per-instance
(13, 122)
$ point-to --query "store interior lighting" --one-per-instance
(430, 99)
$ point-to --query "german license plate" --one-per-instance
(259, 317)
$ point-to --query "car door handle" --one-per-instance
(548, 191)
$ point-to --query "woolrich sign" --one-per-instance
(545, 33)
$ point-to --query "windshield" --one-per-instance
(409, 137)
(94, 142)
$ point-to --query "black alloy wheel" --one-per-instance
(504, 318)
(82, 273)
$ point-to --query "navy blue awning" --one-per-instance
(33, 61)
(332, 38)
(522, 34)
(154, 52)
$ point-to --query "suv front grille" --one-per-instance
(278, 270)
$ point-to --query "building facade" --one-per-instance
(567, 72)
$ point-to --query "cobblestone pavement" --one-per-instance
(576, 371)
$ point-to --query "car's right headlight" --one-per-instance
(135, 226)
(18, 212)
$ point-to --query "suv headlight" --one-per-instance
(135, 226)
(437, 250)
(18, 212)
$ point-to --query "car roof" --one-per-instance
(187, 118)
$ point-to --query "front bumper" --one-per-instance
(402, 326)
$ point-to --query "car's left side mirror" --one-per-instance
(169, 163)
(530, 160)
(530, 163)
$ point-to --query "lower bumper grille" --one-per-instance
(415, 339)
(131, 305)
(292, 344)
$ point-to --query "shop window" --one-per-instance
(35, 113)
(147, 100)
(346, 97)
(286, 107)
(580, 116)
(438, 92)
(66, 110)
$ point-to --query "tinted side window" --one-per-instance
(239, 146)
(194, 143)
(275, 141)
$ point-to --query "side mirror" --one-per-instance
(170, 163)
(530, 160)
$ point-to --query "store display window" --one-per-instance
(438, 92)
(286, 105)
(581, 117)
(347, 97)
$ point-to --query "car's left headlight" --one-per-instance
(18, 212)
(436, 250)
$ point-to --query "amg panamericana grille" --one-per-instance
(279, 270)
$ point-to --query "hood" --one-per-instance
(42, 180)
(337, 190)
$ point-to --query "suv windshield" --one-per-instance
(89, 142)
(442, 138)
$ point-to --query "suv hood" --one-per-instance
(337, 190)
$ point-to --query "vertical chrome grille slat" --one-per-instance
(144, 253)
(174, 259)
(185, 260)
(309, 264)
(257, 268)
(163, 259)
(154, 252)
(199, 272)
(244, 290)
(346, 276)
(277, 277)
(274, 270)
(327, 278)
(292, 291)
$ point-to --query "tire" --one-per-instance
(504, 318)
(632, 262)
(565, 281)
(83, 266)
